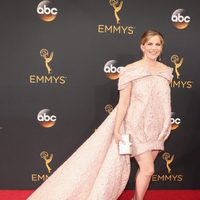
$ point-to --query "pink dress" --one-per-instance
(148, 118)
(96, 171)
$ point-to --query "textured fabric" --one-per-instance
(148, 118)
(96, 171)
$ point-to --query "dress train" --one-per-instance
(95, 171)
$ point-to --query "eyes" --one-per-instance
(151, 44)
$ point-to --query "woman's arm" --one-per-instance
(124, 99)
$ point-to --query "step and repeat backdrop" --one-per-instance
(58, 82)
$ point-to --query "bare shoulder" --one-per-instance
(133, 65)
(165, 68)
(162, 66)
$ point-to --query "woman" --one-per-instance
(145, 104)
(96, 171)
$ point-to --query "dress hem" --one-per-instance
(148, 146)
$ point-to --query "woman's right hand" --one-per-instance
(118, 137)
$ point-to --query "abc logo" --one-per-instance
(46, 12)
(179, 20)
(112, 69)
(175, 123)
(46, 119)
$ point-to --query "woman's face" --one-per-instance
(152, 48)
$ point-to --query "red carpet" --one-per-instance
(151, 195)
(165, 195)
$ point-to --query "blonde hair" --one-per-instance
(150, 33)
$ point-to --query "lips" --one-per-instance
(154, 53)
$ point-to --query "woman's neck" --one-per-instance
(150, 62)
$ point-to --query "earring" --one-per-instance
(160, 57)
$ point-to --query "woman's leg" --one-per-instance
(144, 173)
(155, 154)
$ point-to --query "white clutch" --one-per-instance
(125, 146)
